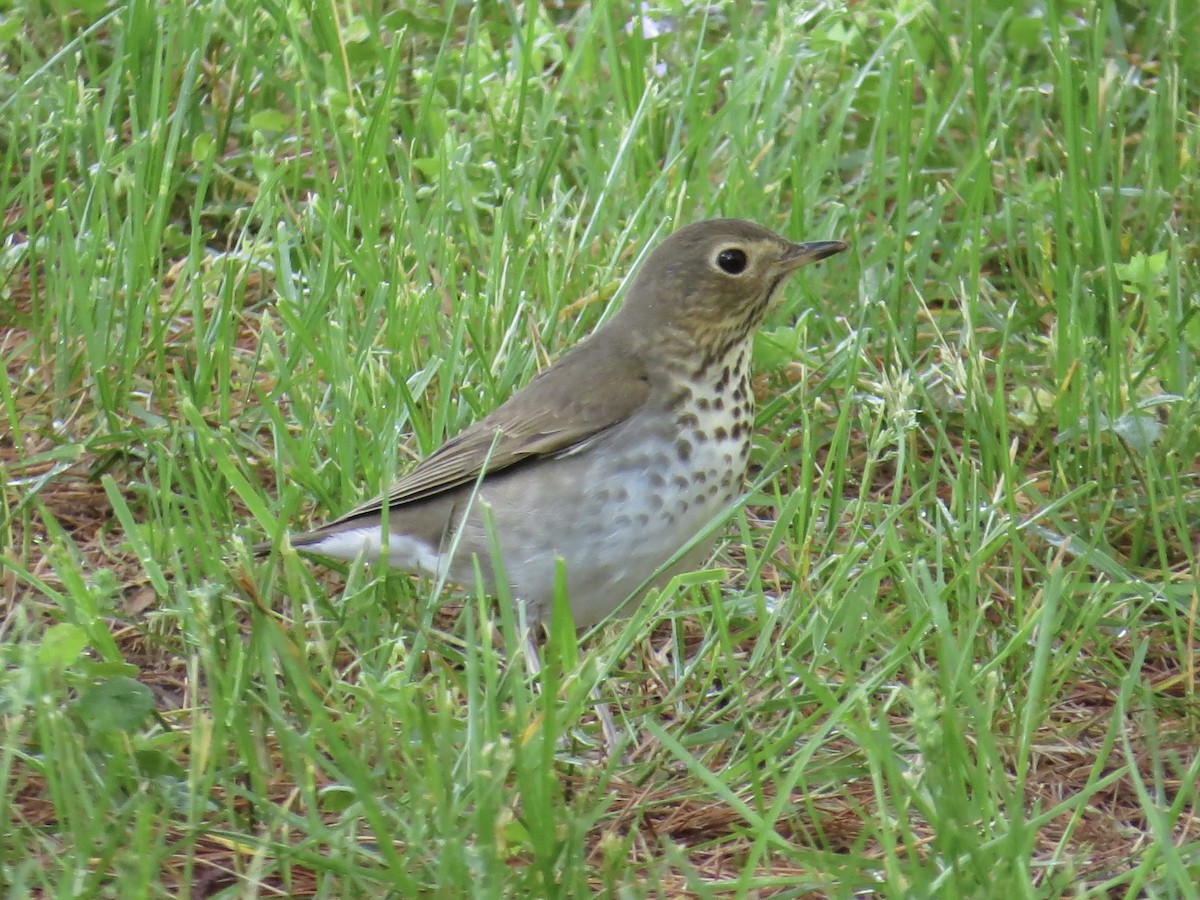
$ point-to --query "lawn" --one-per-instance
(256, 259)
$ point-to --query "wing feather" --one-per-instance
(542, 419)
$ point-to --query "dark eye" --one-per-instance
(732, 261)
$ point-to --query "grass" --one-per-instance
(256, 259)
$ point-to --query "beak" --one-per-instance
(798, 255)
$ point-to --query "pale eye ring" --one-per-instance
(732, 260)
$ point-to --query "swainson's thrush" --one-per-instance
(614, 457)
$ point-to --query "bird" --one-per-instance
(610, 461)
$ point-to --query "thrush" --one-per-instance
(612, 459)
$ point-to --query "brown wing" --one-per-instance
(573, 401)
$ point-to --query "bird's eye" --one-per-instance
(732, 261)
